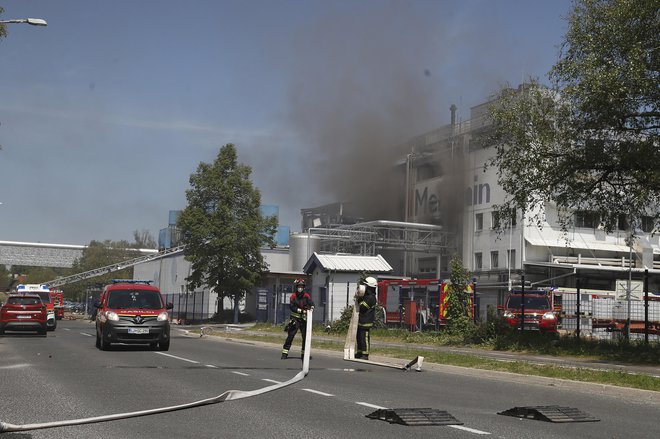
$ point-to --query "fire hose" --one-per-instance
(229, 395)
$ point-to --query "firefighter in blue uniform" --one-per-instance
(299, 303)
(366, 302)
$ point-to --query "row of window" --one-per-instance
(582, 219)
(495, 260)
(494, 221)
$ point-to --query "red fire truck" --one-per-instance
(418, 303)
(57, 297)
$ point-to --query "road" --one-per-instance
(64, 376)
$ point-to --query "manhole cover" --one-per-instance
(415, 416)
(550, 413)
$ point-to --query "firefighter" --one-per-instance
(366, 302)
(299, 303)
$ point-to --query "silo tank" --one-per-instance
(301, 248)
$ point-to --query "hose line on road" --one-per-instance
(229, 395)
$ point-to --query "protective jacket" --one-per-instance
(298, 304)
(367, 309)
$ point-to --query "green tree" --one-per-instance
(223, 229)
(3, 29)
(144, 239)
(458, 317)
(590, 142)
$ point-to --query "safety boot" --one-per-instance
(284, 356)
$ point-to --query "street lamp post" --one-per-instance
(32, 21)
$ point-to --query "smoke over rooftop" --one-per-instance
(363, 89)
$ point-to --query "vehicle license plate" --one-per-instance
(23, 316)
(138, 330)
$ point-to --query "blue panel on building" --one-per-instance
(174, 216)
(282, 236)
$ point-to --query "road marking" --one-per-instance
(86, 334)
(271, 381)
(240, 373)
(468, 429)
(178, 358)
(317, 392)
(373, 406)
(211, 366)
(15, 366)
(67, 329)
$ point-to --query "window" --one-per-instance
(511, 258)
(494, 259)
(494, 219)
(647, 224)
(478, 262)
(479, 221)
(622, 223)
(586, 219)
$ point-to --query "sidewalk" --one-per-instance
(572, 362)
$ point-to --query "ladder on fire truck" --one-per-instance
(114, 267)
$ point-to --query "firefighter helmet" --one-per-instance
(371, 282)
(299, 283)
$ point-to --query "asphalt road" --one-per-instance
(64, 376)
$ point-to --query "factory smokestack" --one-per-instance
(453, 114)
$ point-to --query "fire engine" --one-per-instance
(58, 303)
(44, 292)
(418, 303)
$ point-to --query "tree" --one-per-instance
(3, 29)
(223, 229)
(590, 142)
(144, 239)
(458, 300)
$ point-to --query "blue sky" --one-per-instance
(106, 112)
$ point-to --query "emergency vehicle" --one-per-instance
(418, 303)
(58, 303)
(44, 292)
(530, 310)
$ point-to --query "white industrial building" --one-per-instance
(446, 207)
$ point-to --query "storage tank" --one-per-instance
(301, 247)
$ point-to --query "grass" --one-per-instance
(636, 353)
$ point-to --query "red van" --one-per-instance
(132, 312)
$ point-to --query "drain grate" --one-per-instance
(550, 413)
(415, 416)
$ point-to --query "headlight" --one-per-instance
(508, 315)
(111, 315)
(162, 317)
(548, 316)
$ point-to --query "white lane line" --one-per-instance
(211, 366)
(240, 373)
(16, 366)
(67, 329)
(317, 392)
(86, 334)
(468, 429)
(373, 406)
(271, 381)
(178, 358)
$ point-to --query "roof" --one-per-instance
(347, 263)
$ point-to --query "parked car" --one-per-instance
(23, 312)
(134, 312)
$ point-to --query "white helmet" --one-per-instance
(371, 282)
